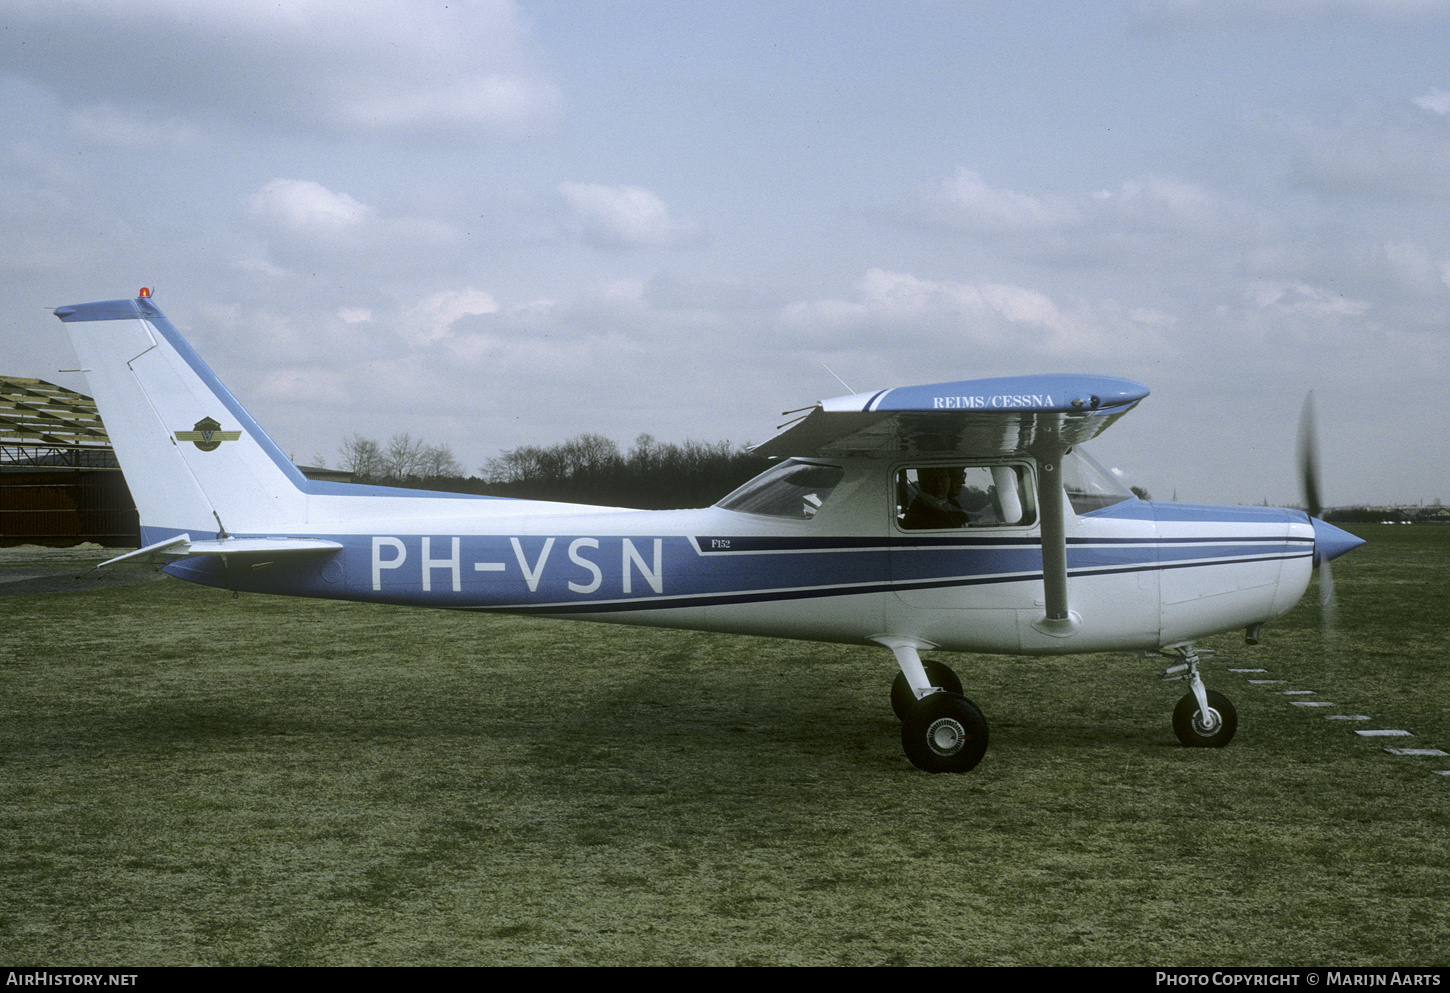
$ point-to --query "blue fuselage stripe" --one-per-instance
(588, 574)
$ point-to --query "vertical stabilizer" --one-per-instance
(194, 459)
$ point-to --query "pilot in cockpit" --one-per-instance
(983, 496)
(973, 502)
(932, 505)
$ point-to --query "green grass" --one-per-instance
(188, 778)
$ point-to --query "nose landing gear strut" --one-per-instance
(1203, 718)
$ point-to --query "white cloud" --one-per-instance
(377, 66)
(1437, 101)
(965, 200)
(999, 322)
(36, 184)
(432, 318)
(303, 207)
(1173, 201)
(319, 384)
(1366, 152)
(307, 224)
(1301, 299)
(625, 216)
(1415, 266)
(505, 104)
(264, 268)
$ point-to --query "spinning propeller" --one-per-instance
(1329, 541)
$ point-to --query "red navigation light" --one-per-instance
(145, 292)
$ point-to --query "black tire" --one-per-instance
(1196, 732)
(944, 732)
(937, 673)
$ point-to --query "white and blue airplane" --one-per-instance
(960, 517)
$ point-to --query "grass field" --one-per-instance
(189, 778)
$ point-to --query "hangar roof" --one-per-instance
(45, 424)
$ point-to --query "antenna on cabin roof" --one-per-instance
(837, 378)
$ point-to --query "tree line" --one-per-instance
(588, 469)
(402, 459)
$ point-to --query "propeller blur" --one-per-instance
(1329, 541)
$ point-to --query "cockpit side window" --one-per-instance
(937, 497)
(794, 490)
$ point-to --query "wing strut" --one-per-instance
(1058, 621)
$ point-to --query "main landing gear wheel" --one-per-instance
(944, 732)
(937, 674)
(1199, 730)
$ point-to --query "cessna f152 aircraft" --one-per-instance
(961, 517)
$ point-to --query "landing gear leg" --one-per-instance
(941, 730)
(1203, 718)
(938, 674)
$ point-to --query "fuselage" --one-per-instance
(1141, 575)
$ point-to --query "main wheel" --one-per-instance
(937, 673)
(944, 732)
(1199, 730)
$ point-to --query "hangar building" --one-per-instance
(60, 484)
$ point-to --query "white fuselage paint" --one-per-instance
(1140, 576)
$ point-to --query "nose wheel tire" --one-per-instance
(944, 732)
(1196, 729)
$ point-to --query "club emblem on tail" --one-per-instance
(207, 435)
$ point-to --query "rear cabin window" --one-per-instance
(964, 496)
(793, 490)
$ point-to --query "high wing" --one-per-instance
(1043, 416)
(978, 417)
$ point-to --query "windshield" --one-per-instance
(1089, 486)
(795, 490)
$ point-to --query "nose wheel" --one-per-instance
(1203, 718)
(1210, 726)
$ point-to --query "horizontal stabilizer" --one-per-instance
(181, 546)
(170, 548)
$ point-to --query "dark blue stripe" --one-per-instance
(775, 596)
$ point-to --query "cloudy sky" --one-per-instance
(493, 223)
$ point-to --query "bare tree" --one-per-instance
(525, 463)
(403, 457)
(590, 455)
(438, 460)
(361, 456)
(590, 468)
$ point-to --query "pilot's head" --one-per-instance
(937, 480)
